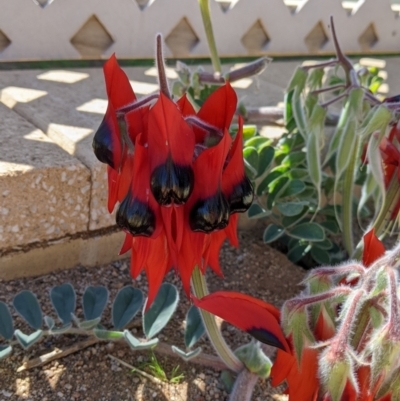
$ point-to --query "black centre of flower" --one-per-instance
(102, 144)
(136, 217)
(210, 214)
(241, 197)
(265, 337)
(170, 183)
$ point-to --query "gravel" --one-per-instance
(89, 374)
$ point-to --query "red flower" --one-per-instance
(177, 176)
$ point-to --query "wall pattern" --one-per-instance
(75, 29)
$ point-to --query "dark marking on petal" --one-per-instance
(210, 214)
(102, 144)
(265, 337)
(170, 183)
(241, 197)
(136, 217)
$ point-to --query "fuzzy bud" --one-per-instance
(336, 369)
(254, 359)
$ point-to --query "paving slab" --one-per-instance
(44, 191)
(65, 253)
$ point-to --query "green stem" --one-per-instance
(347, 204)
(200, 290)
(391, 198)
(205, 14)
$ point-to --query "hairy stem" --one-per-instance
(200, 290)
(244, 386)
(205, 14)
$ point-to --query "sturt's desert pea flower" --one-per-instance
(177, 176)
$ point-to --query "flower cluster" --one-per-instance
(177, 175)
(340, 338)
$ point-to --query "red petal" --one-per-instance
(156, 266)
(302, 381)
(252, 315)
(170, 134)
(211, 254)
(234, 172)
(231, 230)
(185, 106)
(119, 89)
(140, 185)
(208, 169)
(127, 245)
(219, 108)
(373, 248)
(190, 255)
(112, 177)
(173, 220)
(125, 176)
(390, 154)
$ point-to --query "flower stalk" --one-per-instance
(200, 290)
(206, 16)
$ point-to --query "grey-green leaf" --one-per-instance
(320, 256)
(63, 299)
(126, 304)
(6, 323)
(258, 142)
(257, 212)
(161, 310)
(272, 233)
(251, 156)
(265, 157)
(308, 232)
(186, 356)
(294, 187)
(291, 208)
(89, 324)
(298, 252)
(61, 330)
(5, 351)
(27, 305)
(25, 340)
(194, 327)
(94, 301)
(49, 321)
(136, 345)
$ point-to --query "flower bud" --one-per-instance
(335, 373)
(254, 359)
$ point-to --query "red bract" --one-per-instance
(177, 176)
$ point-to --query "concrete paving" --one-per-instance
(44, 192)
(52, 188)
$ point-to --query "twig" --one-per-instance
(274, 115)
(207, 360)
(57, 354)
(136, 370)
